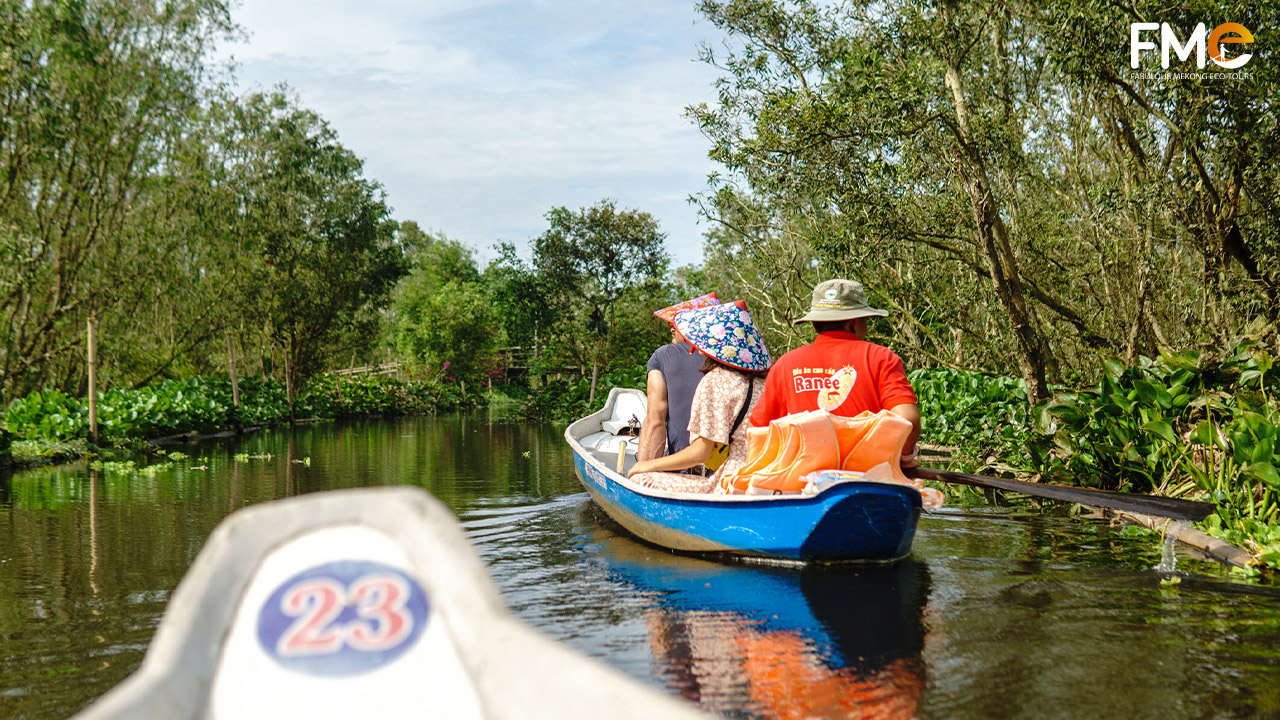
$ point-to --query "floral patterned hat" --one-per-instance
(725, 334)
(669, 313)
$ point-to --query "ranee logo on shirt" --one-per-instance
(833, 388)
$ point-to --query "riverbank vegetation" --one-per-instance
(1082, 266)
(52, 425)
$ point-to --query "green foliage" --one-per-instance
(982, 416)
(520, 294)
(1205, 424)
(565, 400)
(1140, 424)
(140, 193)
(602, 270)
(993, 175)
(445, 320)
(598, 253)
(108, 93)
(48, 414)
(324, 233)
(40, 450)
(204, 404)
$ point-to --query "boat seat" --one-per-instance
(608, 442)
(628, 411)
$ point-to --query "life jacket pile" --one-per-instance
(796, 452)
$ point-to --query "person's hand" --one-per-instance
(642, 466)
(911, 459)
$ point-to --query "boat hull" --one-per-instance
(850, 521)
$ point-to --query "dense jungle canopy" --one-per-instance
(995, 173)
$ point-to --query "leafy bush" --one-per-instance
(1206, 424)
(204, 404)
(166, 408)
(564, 400)
(1145, 423)
(980, 415)
(48, 414)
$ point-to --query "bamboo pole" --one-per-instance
(231, 364)
(288, 384)
(93, 383)
(1216, 548)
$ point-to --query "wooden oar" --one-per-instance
(1131, 502)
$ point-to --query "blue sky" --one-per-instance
(479, 117)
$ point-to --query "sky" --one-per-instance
(479, 116)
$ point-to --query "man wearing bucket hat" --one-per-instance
(673, 375)
(735, 363)
(839, 371)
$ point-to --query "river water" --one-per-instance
(998, 613)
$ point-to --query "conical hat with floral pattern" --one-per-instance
(669, 313)
(726, 334)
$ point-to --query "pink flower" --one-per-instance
(717, 331)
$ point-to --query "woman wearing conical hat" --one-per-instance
(672, 378)
(735, 366)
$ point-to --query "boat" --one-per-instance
(857, 521)
(358, 603)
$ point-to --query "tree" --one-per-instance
(320, 236)
(991, 177)
(520, 295)
(593, 260)
(445, 318)
(95, 96)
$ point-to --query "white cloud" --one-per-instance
(478, 118)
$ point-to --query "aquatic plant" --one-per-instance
(204, 404)
(983, 417)
(1204, 424)
(566, 399)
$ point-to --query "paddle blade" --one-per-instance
(1154, 505)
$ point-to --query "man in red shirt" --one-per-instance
(840, 372)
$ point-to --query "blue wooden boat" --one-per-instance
(846, 521)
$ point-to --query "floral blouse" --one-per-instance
(716, 403)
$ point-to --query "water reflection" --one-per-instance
(781, 642)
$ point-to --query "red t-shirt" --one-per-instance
(838, 373)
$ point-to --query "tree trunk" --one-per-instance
(993, 237)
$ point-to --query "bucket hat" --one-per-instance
(669, 313)
(839, 299)
(725, 334)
